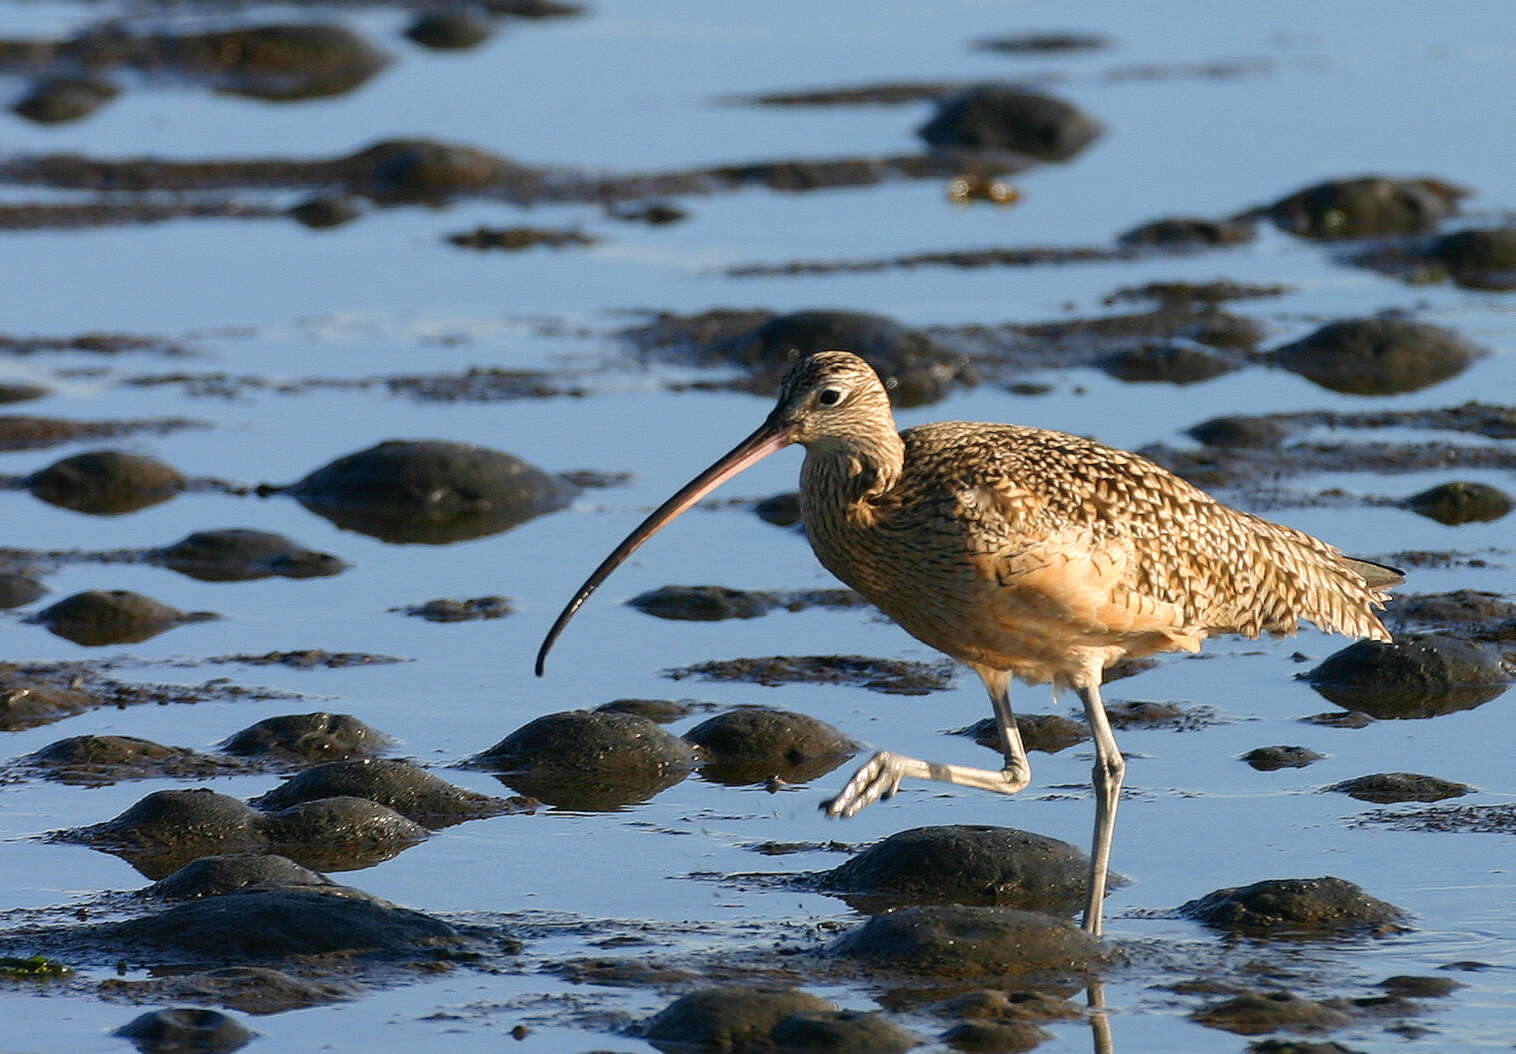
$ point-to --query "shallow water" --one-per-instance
(1346, 90)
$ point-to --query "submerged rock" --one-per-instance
(753, 744)
(168, 829)
(181, 1028)
(27, 700)
(1254, 1013)
(450, 29)
(316, 737)
(589, 759)
(19, 589)
(1377, 356)
(106, 482)
(914, 370)
(211, 876)
(428, 490)
(399, 785)
(63, 99)
(1048, 733)
(890, 676)
(1295, 907)
(98, 760)
(239, 554)
(1185, 233)
(1478, 258)
(1366, 207)
(1416, 676)
(98, 617)
(959, 941)
(1383, 788)
(1460, 502)
(1271, 759)
(963, 864)
(994, 117)
(1166, 363)
(259, 924)
(730, 1018)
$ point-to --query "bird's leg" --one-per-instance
(1110, 767)
(880, 777)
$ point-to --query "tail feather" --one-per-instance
(1376, 576)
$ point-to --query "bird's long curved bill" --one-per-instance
(771, 436)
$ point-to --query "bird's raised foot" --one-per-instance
(879, 778)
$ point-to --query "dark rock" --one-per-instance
(18, 590)
(1254, 1013)
(1366, 207)
(661, 710)
(841, 1032)
(106, 482)
(997, 1004)
(513, 239)
(753, 744)
(1377, 356)
(957, 941)
(452, 28)
(1270, 759)
(420, 170)
(408, 789)
(1460, 607)
(1460, 502)
(653, 213)
(259, 924)
(1295, 907)
(179, 1030)
(240, 554)
(339, 833)
(281, 61)
(890, 676)
(20, 391)
(324, 211)
(27, 700)
(914, 370)
(993, 117)
(428, 491)
(1409, 986)
(1299, 1046)
(963, 864)
(702, 603)
(589, 759)
(192, 823)
(1239, 431)
(168, 829)
(995, 1037)
(98, 760)
(1187, 233)
(66, 99)
(1384, 788)
(211, 876)
(444, 609)
(734, 1018)
(1479, 259)
(1419, 675)
(259, 989)
(112, 616)
(314, 737)
(1168, 363)
(1044, 43)
(782, 510)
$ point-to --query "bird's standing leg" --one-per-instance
(1110, 767)
(880, 777)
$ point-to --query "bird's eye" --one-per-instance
(829, 396)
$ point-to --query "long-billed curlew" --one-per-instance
(1023, 553)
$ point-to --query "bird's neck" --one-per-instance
(854, 470)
